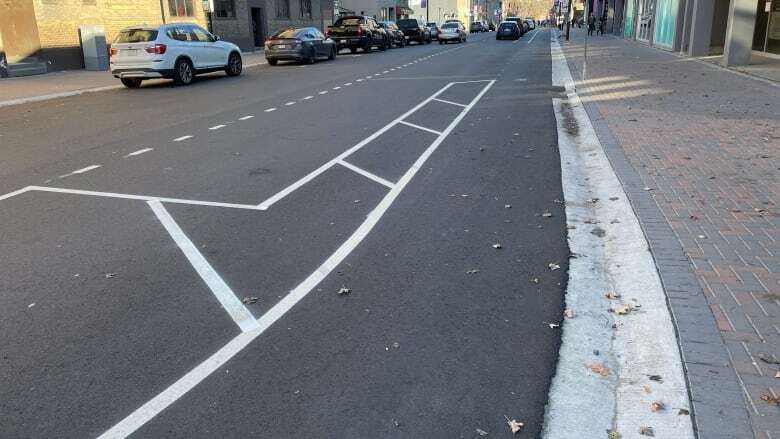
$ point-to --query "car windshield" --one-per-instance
(135, 36)
(288, 33)
(450, 26)
(407, 24)
(347, 22)
(507, 26)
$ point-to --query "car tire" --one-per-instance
(441, 42)
(310, 58)
(332, 54)
(234, 65)
(273, 62)
(183, 73)
(383, 46)
(131, 82)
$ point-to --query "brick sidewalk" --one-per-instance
(706, 142)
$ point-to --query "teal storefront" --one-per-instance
(651, 21)
(665, 22)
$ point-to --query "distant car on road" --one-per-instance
(531, 22)
(477, 26)
(453, 31)
(355, 32)
(393, 33)
(434, 28)
(305, 44)
(521, 23)
(178, 51)
(491, 27)
(415, 30)
(508, 29)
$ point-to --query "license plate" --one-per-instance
(281, 46)
(130, 52)
(343, 41)
(407, 37)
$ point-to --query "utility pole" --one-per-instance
(568, 21)
(585, 57)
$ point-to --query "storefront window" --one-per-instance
(225, 8)
(628, 28)
(180, 8)
(665, 22)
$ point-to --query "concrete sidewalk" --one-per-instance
(54, 85)
(698, 150)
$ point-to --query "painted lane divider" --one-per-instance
(139, 152)
(81, 171)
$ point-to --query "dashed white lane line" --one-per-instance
(337, 88)
(347, 84)
(386, 71)
(268, 110)
(289, 103)
(307, 98)
(182, 138)
(81, 171)
(324, 92)
(139, 152)
(359, 80)
(216, 127)
(369, 76)
(246, 117)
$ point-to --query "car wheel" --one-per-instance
(273, 62)
(131, 82)
(182, 72)
(441, 42)
(353, 49)
(332, 55)
(383, 46)
(234, 65)
(310, 58)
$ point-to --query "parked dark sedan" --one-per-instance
(508, 29)
(306, 44)
(394, 34)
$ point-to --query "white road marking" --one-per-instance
(226, 297)
(81, 171)
(15, 193)
(532, 37)
(216, 127)
(152, 408)
(139, 152)
(323, 92)
(386, 71)
(369, 76)
(246, 117)
(182, 138)
(359, 80)
(409, 124)
(307, 98)
(337, 88)
(347, 84)
(138, 197)
(449, 102)
(268, 110)
(366, 174)
(289, 103)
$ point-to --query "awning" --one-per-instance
(403, 10)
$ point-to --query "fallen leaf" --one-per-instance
(535, 280)
(684, 412)
(611, 295)
(110, 275)
(552, 325)
(656, 378)
(599, 368)
(648, 188)
(553, 266)
(656, 406)
(547, 215)
(770, 399)
(613, 198)
(624, 309)
(344, 291)
(507, 206)
(396, 345)
(647, 389)
(613, 434)
(514, 426)
(482, 432)
(777, 374)
(249, 300)
(768, 360)
(568, 313)
(472, 272)
(31, 305)
(646, 431)
(496, 246)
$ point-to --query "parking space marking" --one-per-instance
(216, 127)
(15, 193)
(268, 110)
(226, 297)
(532, 37)
(139, 152)
(449, 102)
(182, 138)
(409, 124)
(164, 399)
(366, 174)
(246, 117)
(80, 171)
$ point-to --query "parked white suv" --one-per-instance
(176, 50)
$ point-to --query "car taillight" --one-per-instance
(361, 31)
(328, 32)
(157, 49)
(114, 51)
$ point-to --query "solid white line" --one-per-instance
(268, 110)
(532, 38)
(366, 174)
(310, 176)
(152, 408)
(179, 139)
(246, 117)
(289, 103)
(449, 102)
(139, 152)
(216, 127)
(307, 98)
(81, 171)
(15, 193)
(226, 297)
(409, 124)
(139, 197)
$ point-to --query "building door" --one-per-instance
(628, 20)
(258, 30)
(645, 14)
(767, 33)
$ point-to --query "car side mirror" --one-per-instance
(217, 38)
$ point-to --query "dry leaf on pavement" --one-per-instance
(624, 309)
(777, 374)
(568, 313)
(496, 246)
(248, 300)
(547, 215)
(684, 412)
(770, 399)
(344, 290)
(647, 389)
(553, 266)
(514, 426)
(611, 295)
(656, 406)
(599, 368)
(482, 432)
(656, 378)
(646, 431)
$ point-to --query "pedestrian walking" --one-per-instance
(600, 27)
(591, 24)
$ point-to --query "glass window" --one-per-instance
(179, 33)
(201, 35)
(305, 9)
(287, 33)
(135, 36)
(225, 8)
(347, 22)
(180, 8)
(408, 23)
(283, 9)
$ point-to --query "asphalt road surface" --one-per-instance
(171, 257)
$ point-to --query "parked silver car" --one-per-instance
(434, 29)
(452, 31)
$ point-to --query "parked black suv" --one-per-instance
(356, 32)
(415, 30)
